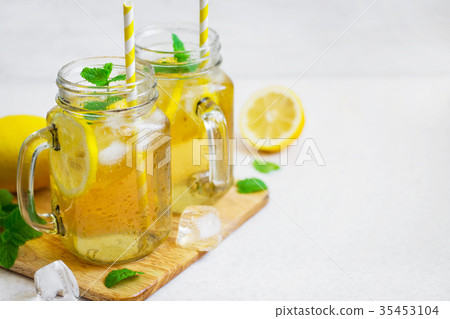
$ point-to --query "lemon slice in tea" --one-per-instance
(274, 114)
(74, 165)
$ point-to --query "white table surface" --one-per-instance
(379, 207)
(373, 222)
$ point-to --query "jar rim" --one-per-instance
(213, 45)
(145, 85)
(61, 80)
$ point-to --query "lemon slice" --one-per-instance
(121, 104)
(272, 118)
(74, 165)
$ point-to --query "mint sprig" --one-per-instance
(100, 76)
(181, 57)
(250, 185)
(118, 275)
(265, 167)
(14, 231)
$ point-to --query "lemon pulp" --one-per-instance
(273, 114)
(74, 165)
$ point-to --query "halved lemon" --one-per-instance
(74, 165)
(272, 118)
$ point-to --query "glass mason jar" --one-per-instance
(197, 97)
(109, 166)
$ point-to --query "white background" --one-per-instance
(377, 105)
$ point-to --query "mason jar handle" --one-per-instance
(217, 133)
(29, 152)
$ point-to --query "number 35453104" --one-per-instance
(408, 310)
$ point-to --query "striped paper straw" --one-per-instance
(141, 170)
(128, 21)
(204, 26)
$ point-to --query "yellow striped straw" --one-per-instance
(204, 43)
(128, 21)
(204, 26)
(141, 170)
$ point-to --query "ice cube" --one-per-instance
(56, 279)
(155, 123)
(112, 154)
(199, 228)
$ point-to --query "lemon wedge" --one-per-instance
(272, 118)
(74, 165)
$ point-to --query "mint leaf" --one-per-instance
(108, 68)
(118, 275)
(8, 253)
(5, 198)
(95, 76)
(101, 105)
(5, 236)
(3, 217)
(8, 208)
(95, 105)
(189, 66)
(176, 69)
(179, 46)
(100, 76)
(265, 167)
(15, 232)
(6, 205)
(113, 99)
(19, 228)
(120, 77)
(250, 185)
(15, 238)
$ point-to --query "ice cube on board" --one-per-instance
(56, 279)
(199, 228)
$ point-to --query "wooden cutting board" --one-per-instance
(164, 264)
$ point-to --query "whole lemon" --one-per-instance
(14, 129)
